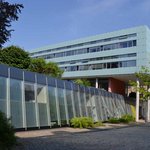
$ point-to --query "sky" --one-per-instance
(46, 22)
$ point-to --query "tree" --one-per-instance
(84, 82)
(7, 133)
(144, 78)
(15, 56)
(8, 13)
(143, 87)
(52, 69)
(37, 65)
(41, 66)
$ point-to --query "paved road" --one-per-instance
(129, 138)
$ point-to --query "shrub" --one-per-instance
(97, 124)
(123, 119)
(7, 135)
(113, 120)
(82, 122)
(127, 119)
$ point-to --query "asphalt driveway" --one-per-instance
(125, 138)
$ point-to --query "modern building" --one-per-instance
(109, 60)
(34, 100)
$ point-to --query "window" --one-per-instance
(122, 37)
(134, 42)
(29, 92)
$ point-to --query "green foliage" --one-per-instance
(41, 66)
(8, 13)
(123, 119)
(53, 70)
(144, 78)
(97, 124)
(15, 56)
(7, 136)
(83, 82)
(113, 120)
(37, 65)
(127, 119)
(82, 122)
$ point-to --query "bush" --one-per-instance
(97, 124)
(82, 122)
(7, 135)
(123, 119)
(127, 119)
(113, 120)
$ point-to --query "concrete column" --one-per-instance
(24, 105)
(148, 111)
(137, 100)
(96, 83)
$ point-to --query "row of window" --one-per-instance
(98, 58)
(87, 43)
(120, 64)
(126, 44)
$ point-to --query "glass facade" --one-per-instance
(49, 102)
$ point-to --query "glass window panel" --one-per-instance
(29, 92)
(134, 42)
(129, 43)
(76, 103)
(61, 106)
(52, 104)
(2, 88)
(88, 105)
(41, 94)
(3, 91)
(114, 65)
(69, 103)
(15, 90)
(83, 109)
(42, 102)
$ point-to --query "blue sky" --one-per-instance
(46, 22)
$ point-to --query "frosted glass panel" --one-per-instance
(69, 103)
(62, 106)
(15, 90)
(3, 91)
(42, 102)
(52, 105)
